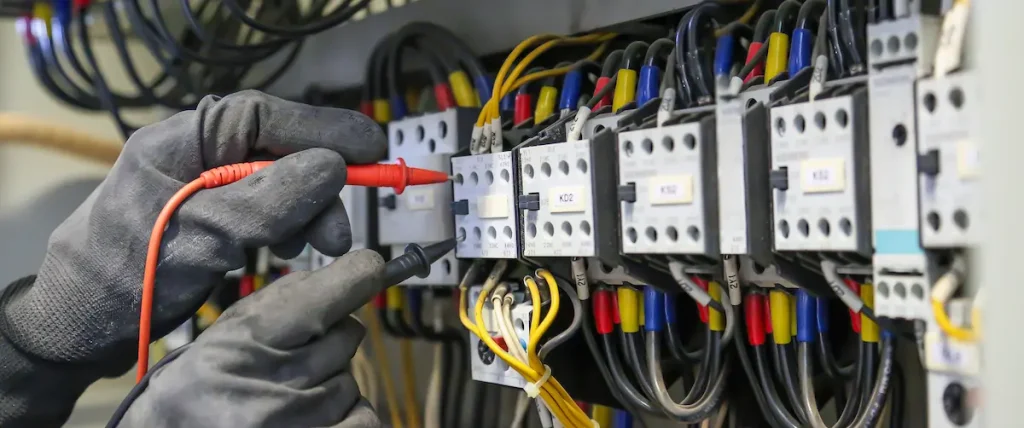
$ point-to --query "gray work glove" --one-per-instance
(78, 319)
(278, 358)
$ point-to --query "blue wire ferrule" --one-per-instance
(806, 314)
(723, 55)
(62, 12)
(571, 87)
(414, 298)
(622, 419)
(508, 103)
(648, 85)
(670, 310)
(398, 108)
(483, 88)
(800, 51)
(822, 315)
(654, 320)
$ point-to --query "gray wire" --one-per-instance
(696, 412)
(876, 402)
(574, 326)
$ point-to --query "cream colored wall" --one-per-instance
(38, 188)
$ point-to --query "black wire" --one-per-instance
(786, 17)
(142, 384)
(758, 57)
(828, 364)
(853, 405)
(774, 401)
(763, 27)
(755, 385)
(849, 35)
(677, 349)
(809, 12)
(607, 89)
(628, 343)
(337, 17)
(790, 384)
(606, 374)
(633, 56)
(454, 389)
(619, 380)
(611, 63)
(197, 29)
(896, 404)
(707, 371)
(658, 52)
(838, 53)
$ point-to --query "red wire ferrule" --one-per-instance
(767, 315)
(602, 311)
(366, 107)
(445, 97)
(854, 316)
(607, 99)
(753, 308)
(245, 286)
(524, 107)
(616, 317)
(701, 309)
(380, 301)
(759, 68)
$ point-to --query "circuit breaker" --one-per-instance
(484, 364)
(422, 214)
(743, 165)
(899, 51)
(668, 189)
(484, 206)
(947, 164)
(820, 175)
(567, 200)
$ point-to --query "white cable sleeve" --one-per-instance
(702, 297)
(576, 129)
(732, 278)
(579, 273)
(668, 102)
(849, 298)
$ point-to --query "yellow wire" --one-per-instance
(503, 86)
(946, 325)
(530, 374)
(383, 365)
(412, 408)
(745, 18)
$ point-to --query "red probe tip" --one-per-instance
(396, 176)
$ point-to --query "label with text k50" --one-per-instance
(670, 189)
(823, 175)
(569, 199)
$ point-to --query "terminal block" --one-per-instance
(744, 157)
(906, 40)
(485, 206)
(667, 189)
(820, 175)
(567, 200)
(485, 366)
(947, 162)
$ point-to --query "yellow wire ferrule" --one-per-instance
(381, 111)
(625, 89)
(395, 297)
(716, 321)
(465, 96)
(868, 329)
(629, 309)
(780, 309)
(546, 102)
(778, 54)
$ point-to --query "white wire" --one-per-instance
(432, 408)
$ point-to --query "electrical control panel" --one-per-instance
(820, 175)
(484, 364)
(484, 207)
(567, 198)
(667, 189)
(743, 165)
(948, 161)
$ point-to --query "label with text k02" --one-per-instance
(670, 189)
(569, 199)
(823, 175)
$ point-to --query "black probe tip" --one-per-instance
(416, 261)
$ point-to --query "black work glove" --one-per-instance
(78, 319)
(278, 358)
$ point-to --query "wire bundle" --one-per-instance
(215, 53)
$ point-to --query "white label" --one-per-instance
(967, 159)
(567, 199)
(823, 175)
(419, 199)
(951, 41)
(945, 354)
(670, 189)
(492, 206)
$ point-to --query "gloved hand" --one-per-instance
(78, 319)
(278, 358)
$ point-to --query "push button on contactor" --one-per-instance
(460, 207)
(390, 202)
(928, 163)
(779, 178)
(530, 201)
(627, 192)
